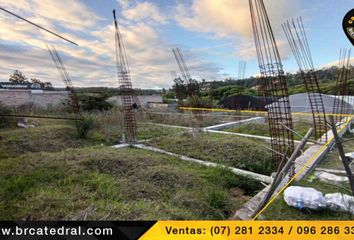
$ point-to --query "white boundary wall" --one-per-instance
(15, 98)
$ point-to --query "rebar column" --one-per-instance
(125, 87)
(341, 100)
(296, 35)
(273, 83)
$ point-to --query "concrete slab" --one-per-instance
(171, 126)
(236, 123)
(246, 135)
(122, 145)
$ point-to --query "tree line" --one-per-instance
(19, 77)
(218, 90)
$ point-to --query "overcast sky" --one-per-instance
(214, 35)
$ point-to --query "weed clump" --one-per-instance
(228, 179)
(4, 121)
(84, 126)
(217, 199)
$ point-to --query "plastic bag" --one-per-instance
(303, 197)
(340, 202)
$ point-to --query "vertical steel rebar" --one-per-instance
(74, 101)
(191, 86)
(125, 87)
(296, 36)
(241, 69)
(341, 99)
(273, 84)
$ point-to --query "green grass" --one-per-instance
(331, 160)
(149, 131)
(105, 183)
(49, 173)
(187, 119)
(262, 129)
(62, 135)
(228, 150)
(48, 138)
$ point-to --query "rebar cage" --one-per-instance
(297, 39)
(273, 84)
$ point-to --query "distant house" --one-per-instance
(205, 86)
(301, 103)
(143, 100)
(298, 103)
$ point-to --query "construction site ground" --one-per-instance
(279, 210)
(47, 172)
(106, 183)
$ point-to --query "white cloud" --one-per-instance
(247, 50)
(231, 19)
(336, 63)
(67, 13)
(93, 62)
(220, 17)
(144, 11)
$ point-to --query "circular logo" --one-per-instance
(348, 25)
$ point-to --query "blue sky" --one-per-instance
(214, 35)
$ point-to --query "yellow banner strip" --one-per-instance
(250, 230)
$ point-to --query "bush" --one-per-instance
(84, 126)
(198, 102)
(217, 199)
(228, 179)
(96, 102)
(5, 121)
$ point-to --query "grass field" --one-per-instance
(61, 135)
(48, 172)
(194, 119)
(229, 150)
(106, 183)
(262, 129)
